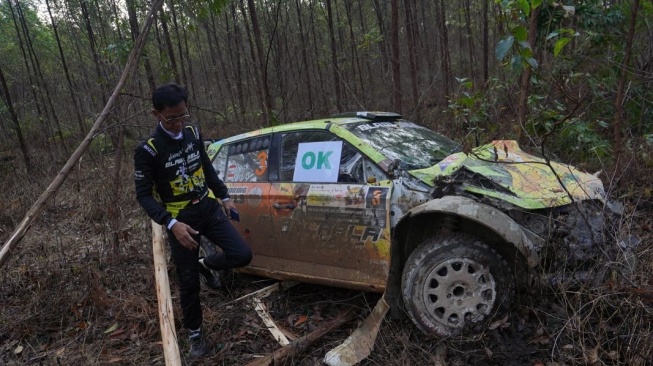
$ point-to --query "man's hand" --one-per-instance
(183, 234)
(228, 205)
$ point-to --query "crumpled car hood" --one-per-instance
(504, 171)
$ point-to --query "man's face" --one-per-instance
(173, 118)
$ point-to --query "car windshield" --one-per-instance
(415, 146)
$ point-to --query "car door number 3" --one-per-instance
(263, 163)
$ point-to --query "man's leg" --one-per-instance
(235, 252)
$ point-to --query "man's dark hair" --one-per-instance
(168, 95)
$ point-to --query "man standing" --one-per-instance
(173, 162)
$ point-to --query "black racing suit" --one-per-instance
(180, 172)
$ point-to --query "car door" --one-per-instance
(328, 221)
(243, 166)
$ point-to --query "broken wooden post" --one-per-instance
(166, 316)
(280, 355)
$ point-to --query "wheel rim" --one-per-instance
(459, 291)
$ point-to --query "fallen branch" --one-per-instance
(279, 356)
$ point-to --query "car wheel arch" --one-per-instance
(455, 213)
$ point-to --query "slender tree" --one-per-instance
(6, 98)
(334, 56)
(394, 52)
(619, 98)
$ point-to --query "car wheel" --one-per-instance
(453, 281)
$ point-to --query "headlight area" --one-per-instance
(575, 236)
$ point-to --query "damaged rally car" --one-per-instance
(373, 202)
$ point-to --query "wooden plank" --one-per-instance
(166, 316)
(263, 313)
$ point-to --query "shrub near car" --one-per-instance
(371, 201)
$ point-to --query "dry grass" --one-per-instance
(67, 298)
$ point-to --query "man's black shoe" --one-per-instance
(209, 277)
(198, 347)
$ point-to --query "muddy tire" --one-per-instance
(453, 282)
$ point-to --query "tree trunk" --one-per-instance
(258, 79)
(262, 63)
(619, 99)
(184, 78)
(6, 97)
(316, 42)
(394, 56)
(238, 63)
(334, 56)
(412, 62)
(378, 10)
(133, 26)
(486, 44)
(308, 112)
(171, 53)
(96, 58)
(444, 47)
(525, 82)
(71, 88)
(470, 42)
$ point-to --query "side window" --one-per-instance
(247, 161)
(319, 156)
(220, 161)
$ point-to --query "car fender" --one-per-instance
(508, 229)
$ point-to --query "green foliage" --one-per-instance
(370, 39)
(472, 107)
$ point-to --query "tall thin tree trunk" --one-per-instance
(470, 42)
(184, 79)
(96, 58)
(305, 66)
(486, 43)
(394, 55)
(379, 11)
(262, 63)
(316, 61)
(444, 47)
(258, 79)
(133, 26)
(168, 42)
(525, 82)
(334, 56)
(71, 89)
(621, 84)
(412, 63)
(238, 63)
(6, 97)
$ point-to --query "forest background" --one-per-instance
(575, 77)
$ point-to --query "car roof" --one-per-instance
(321, 124)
